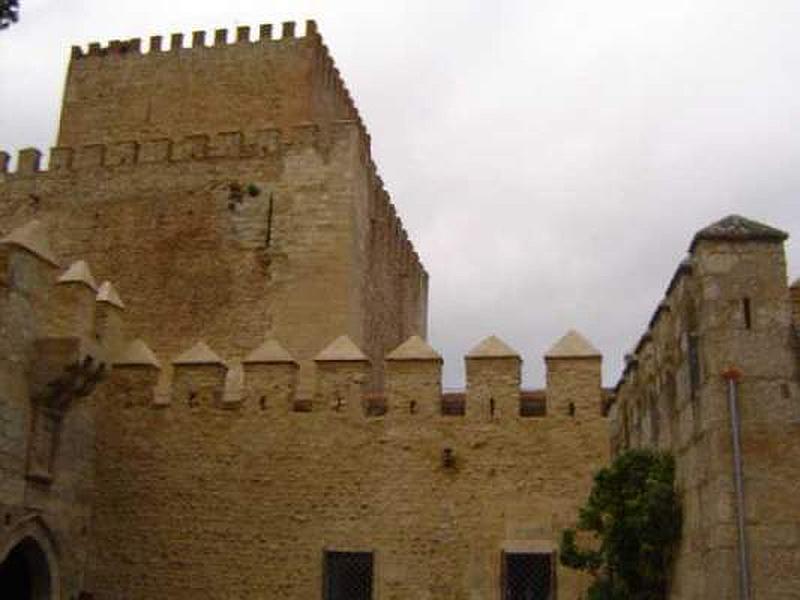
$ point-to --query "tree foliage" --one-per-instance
(9, 12)
(634, 515)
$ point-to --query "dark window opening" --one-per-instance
(528, 576)
(694, 362)
(375, 405)
(453, 404)
(348, 576)
(571, 409)
(748, 318)
(531, 405)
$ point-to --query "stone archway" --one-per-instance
(28, 570)
(25, 574)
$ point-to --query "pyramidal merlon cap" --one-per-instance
(136, 353)
(492, 347)
(32, 237)
(341, 349)
(78, 272)
(199, 354)
(414, 348)
(738, 228)
(270, 351)
(109, 294)
(572, 345)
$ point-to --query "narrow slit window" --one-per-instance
(748, 318)
(348, 576)
(694, 362)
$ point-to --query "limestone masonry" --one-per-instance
(215, 381)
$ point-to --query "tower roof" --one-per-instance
(492, 347)
(78, 272)
(109, 294)
(414, 348)
(738, 228)
(341, 349)
(137, 353)
(270, 351)
(33, 237)
(572, 345)
(199, 354)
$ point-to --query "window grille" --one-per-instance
(528, 576)
(348, 576)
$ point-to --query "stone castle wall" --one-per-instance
(203, 498)
(727, 306)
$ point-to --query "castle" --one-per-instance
(246, 406)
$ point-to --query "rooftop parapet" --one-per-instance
(118, 49)
(197, 147)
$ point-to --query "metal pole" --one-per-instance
(732, 375)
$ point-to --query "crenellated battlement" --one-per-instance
(115, 49)
(200, 147)
(712, 290)
(281, 80)
(413, 386)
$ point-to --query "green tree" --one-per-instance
(634, 515)
(9, 12)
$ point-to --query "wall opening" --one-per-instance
(348, 576)
(528, 576)
(748, 317)
(25, 574)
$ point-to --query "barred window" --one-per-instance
(348, 576)
(528, 576)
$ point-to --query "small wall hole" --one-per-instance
(748, 319)
(571, 409)
(412, 407)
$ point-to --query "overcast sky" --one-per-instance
(549, 158)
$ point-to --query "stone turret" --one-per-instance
(341, 375)
(493, 380)
(413, 379)
(134, 376)
(270, 377)
(198, 377)
(574, 377)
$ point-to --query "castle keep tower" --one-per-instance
(228, 187)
